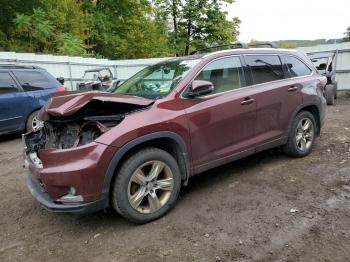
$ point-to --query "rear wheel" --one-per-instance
(301, 136)
(147, 185)
(33, 123)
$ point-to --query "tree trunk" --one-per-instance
(174, 14)
(189, 28)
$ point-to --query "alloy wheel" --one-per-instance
(37, 124)
(150, 186)
(304, 134)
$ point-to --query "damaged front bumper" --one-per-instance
(53, 173)
(41, 195)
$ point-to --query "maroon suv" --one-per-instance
(132, 150)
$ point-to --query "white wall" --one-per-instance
(72, 68)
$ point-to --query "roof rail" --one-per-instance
(233, 45)
(257, 44)
(13, 66)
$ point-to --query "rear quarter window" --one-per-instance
(35, 80)
(296, 67)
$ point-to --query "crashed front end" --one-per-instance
(66, 165)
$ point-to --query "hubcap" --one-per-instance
(304, 134)
(150, 186)
(37, 124)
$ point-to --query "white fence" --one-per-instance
(72, 68)
(343, 61)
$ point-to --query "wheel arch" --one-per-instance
(166, 140)
(34, 109)
(314, 109)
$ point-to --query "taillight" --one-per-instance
(60, 89)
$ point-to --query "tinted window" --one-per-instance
(296, 67)
(226, 74)
(7, 84)
(32, 81)
(265, 68)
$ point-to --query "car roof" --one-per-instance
(233, 52)
(252, 51)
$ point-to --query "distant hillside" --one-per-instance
(302, 43)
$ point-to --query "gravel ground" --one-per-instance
(267, 207)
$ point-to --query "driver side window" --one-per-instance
(226, 74)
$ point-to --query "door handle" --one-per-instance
(247, 101)
(292, 89)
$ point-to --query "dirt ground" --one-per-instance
(266, 207)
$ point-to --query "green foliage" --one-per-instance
(116, 29)
(287, 44)
(68, 44)
(196, 24)
(347, 35)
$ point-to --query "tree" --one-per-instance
(116, 29)
(56, 26)
(124, 29)
(287, 44)
(347, 35)
(8, 12)
(196, 24)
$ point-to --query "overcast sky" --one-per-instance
(292, 19)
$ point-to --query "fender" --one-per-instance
(124, 149)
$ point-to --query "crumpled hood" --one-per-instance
(69, 103)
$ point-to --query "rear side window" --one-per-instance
(264, 68)
(7, 84)
(226, 74)
(32, 81)
(296, 68)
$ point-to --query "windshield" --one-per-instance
(94, 75)
(158, 80)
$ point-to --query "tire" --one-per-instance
(137, 201)
(33, 124)
(294, 145)
(330, 94)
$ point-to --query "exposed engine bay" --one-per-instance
(80, 128)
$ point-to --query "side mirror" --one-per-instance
(60, 79)
(200, 88)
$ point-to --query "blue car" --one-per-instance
(24, 90)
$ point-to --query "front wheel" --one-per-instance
(301, 136)
(33, 123)
(147, 185)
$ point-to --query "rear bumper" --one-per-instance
(40, 194)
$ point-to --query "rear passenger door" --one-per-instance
(276, 97)
(37, 86)
(12, 100)
(222, 123)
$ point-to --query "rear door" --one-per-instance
(38, 85)
(12, 104)
(222, 123)
(276, 99)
